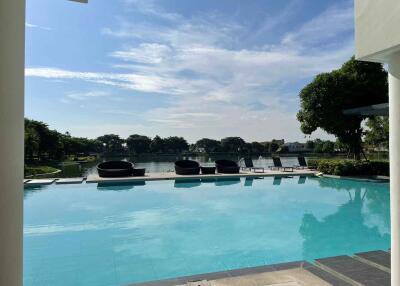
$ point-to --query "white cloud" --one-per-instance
(150, 8)
(33, 26)
(131, 81)
(87, 95)
(145, 53)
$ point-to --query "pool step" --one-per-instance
(379, 259)
(354, 272)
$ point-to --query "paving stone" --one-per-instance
(326, 276)
(355, 270)
(378, 257)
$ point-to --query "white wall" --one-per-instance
(12, 45)
(377, 29)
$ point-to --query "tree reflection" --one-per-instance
(345, 232)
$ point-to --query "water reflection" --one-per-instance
(118, 187)
(30, 190)
(227, 182)
(190, 183)
(248, 182)
(302, 180)
(347, 229)
(277, 181)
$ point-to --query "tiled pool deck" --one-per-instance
(333, 271)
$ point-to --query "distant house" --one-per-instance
(296, 147)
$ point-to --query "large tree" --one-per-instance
(112, 143)
(233, 144)
(355, 84)
(176, 144)
(209, 145)
(138, 144)
(377, 134)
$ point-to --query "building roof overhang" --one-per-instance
(376, 109)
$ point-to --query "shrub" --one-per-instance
(340, 167)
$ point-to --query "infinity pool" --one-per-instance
(90, 234)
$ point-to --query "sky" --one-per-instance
(180, 68)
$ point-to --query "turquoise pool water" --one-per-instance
(116, 235)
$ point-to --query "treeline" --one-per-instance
(44, 143)
(324, 146)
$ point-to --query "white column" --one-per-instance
(394, 149)
(12, 51)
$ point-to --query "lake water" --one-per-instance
(164, 164)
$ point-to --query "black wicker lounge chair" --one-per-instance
(206, 170)
(248, 165)
(112, 169)
(187, 167)
(278, 165)
(138, 172)
(302, 163)
(227, 167)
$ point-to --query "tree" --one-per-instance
(232, 144)
(176, 144)
(257, 148)
(310, 145)
(209, 145)
(112, 143)
(274, 146)
(377, 134)
(328, 147)
(324, 99)
(318, 146)
(138, 144)
(157, 145)
(31, 142)
(47, 143)
(283, 149)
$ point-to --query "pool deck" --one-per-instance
(363, 269)
(173, 176)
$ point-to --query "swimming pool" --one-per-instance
(90, 234)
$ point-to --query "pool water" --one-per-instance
(90, 234)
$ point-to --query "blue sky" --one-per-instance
(188, 68)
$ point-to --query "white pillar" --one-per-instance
(394, 149)
(12, 51)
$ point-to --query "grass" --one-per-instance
(38, 170)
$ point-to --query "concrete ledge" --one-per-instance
(40, 182)
(70, 181)
(360, 178)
